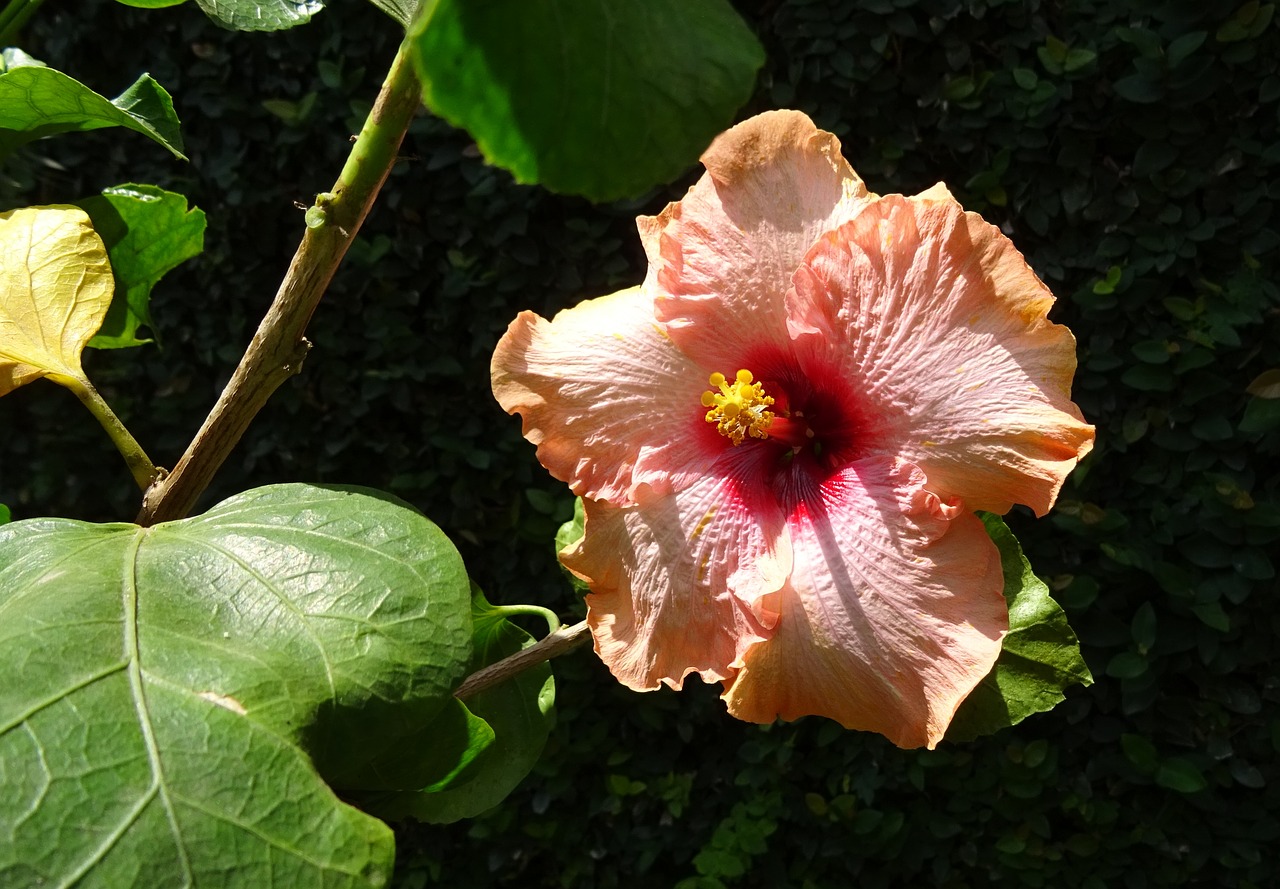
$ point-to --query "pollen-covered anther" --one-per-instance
(739, 409)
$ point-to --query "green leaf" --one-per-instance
(295, 114)
(1151, 351)
(1212, 427)
(1139, 88)
(569, 534)
(1212, 615)
(5, 515)
(148, 231)
(1250, 20)
(1040, 656)
(1012, 844)
(601, 98)
(1181, 47)
(1246, 775)
(1181, 308)
(541, 501)
(170, 688)
(1260, 415)
(1140, 751)
(1180, 775)
(440, 750)
(1077, 59)
(1148, 378)
(402, 11)
(1143, 627)
(1126, 665)
(1153, 156)
(37, 101)
(260, 15)
(150, 4)
(959, 88)
(1053, 54)
(1109, 283)
(521, 714)
(1147, 42)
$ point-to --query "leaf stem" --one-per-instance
(279, 347)
(144, 471)
(14, 16)
(552, 619)
(562, 641)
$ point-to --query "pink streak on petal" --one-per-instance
(935, 316)
(893, 613)
(677, 579)
(601, 389)
(721, 259)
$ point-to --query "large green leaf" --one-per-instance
(1040, 656)
(37, 101)
(260, 15)
(602, 98)
(167, 690)
(148, 231)
(521, 714)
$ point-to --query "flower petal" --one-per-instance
(674, 578)
(893, 613)
(601, 388)
(721, 259)
(936, 318)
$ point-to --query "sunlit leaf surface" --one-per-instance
(602, 98)
(37, 101)
(1040, 656)
(169, 689)
(55, 288)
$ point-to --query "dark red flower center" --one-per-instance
(791, 425)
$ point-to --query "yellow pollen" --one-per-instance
(739, 408)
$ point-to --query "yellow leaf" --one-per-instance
(55, 287)
(1266, 384)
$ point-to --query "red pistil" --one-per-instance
(793, 430)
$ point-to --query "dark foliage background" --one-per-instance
(1129, 148)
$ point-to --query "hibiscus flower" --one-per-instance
(781, 437)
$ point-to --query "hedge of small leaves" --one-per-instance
(1129, 148)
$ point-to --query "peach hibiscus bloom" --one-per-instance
(781, 435)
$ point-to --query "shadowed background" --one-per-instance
(1129, 149)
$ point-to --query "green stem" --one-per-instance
(144, 471)
(552, 619)
(278, 348)
(14, 16)
(562, 641)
